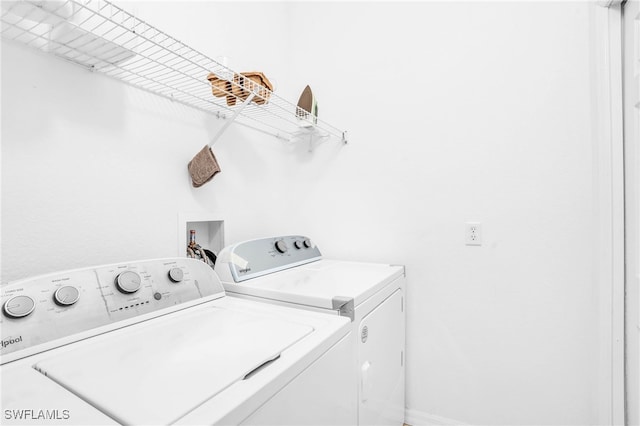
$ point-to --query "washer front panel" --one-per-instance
(45, 308)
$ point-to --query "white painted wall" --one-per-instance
(456, 112)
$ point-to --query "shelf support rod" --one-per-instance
(232, 119)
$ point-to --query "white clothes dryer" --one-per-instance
(291, 271)
(159, 342)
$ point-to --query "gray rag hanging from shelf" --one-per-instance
(203, 167)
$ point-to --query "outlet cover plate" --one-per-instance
(473, 233)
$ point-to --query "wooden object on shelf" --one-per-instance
(218, 85)
(253, 81)
(242, 86)
(221, 88)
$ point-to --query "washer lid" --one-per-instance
(156, 372)
(317, 284)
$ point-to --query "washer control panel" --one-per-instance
(255, 258)
(49, 307)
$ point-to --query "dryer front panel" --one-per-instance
(381, 344)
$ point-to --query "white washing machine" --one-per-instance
(290, 271)
(159, 342)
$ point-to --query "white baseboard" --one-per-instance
(419, 418)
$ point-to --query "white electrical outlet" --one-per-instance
(473, 234)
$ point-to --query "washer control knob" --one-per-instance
(19, 306)
(298, 244)
(281, 246)
(176, 275)
(307, 243)
(128, 282)
(66, 296)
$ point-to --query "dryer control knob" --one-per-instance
(307, 243)
(128, 282)
(66, 296)
(176, 275)
(281, 246)
(19, 306)
(298, 244)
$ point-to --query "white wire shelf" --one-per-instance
(104, 38)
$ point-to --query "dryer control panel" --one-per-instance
(56, 306)
(255, 258)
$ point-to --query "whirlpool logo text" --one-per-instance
(11, 341)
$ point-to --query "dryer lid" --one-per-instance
(320, 284)
(156, 373)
